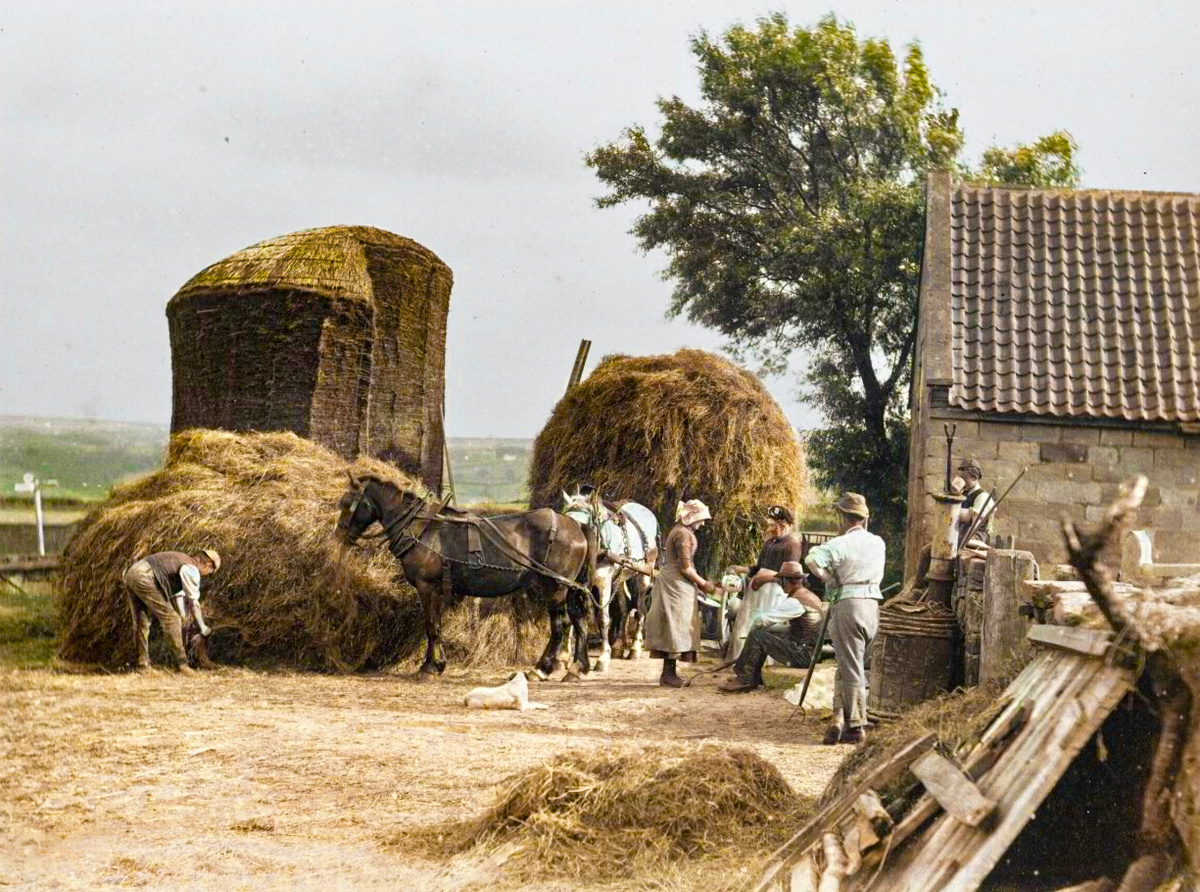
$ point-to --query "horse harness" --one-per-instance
(401, 539)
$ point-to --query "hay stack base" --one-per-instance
(286, 594)
(658, 429)
(623, 814)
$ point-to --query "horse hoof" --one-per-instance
(572, 676)
(425, 675)
(602, 664)
(540, 675)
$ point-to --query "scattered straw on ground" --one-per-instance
(286, 593)
(605, 814)
(662, 428)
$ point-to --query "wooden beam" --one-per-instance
(878, 777)
(950, 787)
(1090, 642)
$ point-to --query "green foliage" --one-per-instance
(1049, 162)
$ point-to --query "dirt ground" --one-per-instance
(239, 780)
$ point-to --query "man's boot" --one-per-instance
(669, 678)
(833, 734)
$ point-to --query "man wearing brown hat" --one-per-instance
(786, 632)
(851, 566)
(976, 503)
(166, 585)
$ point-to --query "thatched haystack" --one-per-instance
(337, 334)
(626, 813)
(662, 428)
(286, 593)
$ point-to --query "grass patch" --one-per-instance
(27, 625)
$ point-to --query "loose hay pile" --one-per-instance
(286, 593)
(589, 814)
(658, 429)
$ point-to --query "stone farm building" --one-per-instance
(1060, 330)
(337, 334)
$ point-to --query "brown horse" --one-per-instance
(453, 553)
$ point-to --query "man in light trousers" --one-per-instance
(851, 566)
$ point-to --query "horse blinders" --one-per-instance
(345, 521)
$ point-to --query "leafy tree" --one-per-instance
(790, 205)
(1049, 162)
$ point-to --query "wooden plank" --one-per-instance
(1090, 642)
(1074, 694)
(951, 788)
(991, 747)
(879, 776)
(1002, 641)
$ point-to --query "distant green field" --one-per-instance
(85, 457)
(88, 457)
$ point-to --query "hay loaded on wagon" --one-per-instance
(660, 429)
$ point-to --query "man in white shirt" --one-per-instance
(785, 631)
(166, 585)
(851, 566)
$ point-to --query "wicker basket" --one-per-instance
(912, 657)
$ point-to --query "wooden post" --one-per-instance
(1004, 628)
(580, 361)
(446, 458)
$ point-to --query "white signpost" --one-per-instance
(34, 485)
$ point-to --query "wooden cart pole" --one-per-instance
(580, 361)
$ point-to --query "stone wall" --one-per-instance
(1074, 471)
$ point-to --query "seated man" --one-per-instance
(762, 590)
(786, 631)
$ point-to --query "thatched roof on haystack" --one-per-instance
(286, 593)
(662, 428)
(337, 334)
(331, 260)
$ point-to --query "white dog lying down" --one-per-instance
(513, 694)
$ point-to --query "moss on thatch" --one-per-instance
(621, 814)
(286, 593)
(331, 260)
(658, 429)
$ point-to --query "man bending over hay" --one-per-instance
(167, 585)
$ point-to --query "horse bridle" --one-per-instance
(395, 527)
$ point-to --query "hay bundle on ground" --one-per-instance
(606, 814)
(658, 429)
(286, 593)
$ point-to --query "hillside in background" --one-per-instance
(88, 457)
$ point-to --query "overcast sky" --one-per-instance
(143, 142)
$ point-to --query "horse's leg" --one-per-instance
(431, 601)
(603, 583)
(557, 608)
(618, 609)
(577, 612)
(637, 617)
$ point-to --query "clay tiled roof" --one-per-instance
(1073, 303)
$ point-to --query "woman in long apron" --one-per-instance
(673, 624)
